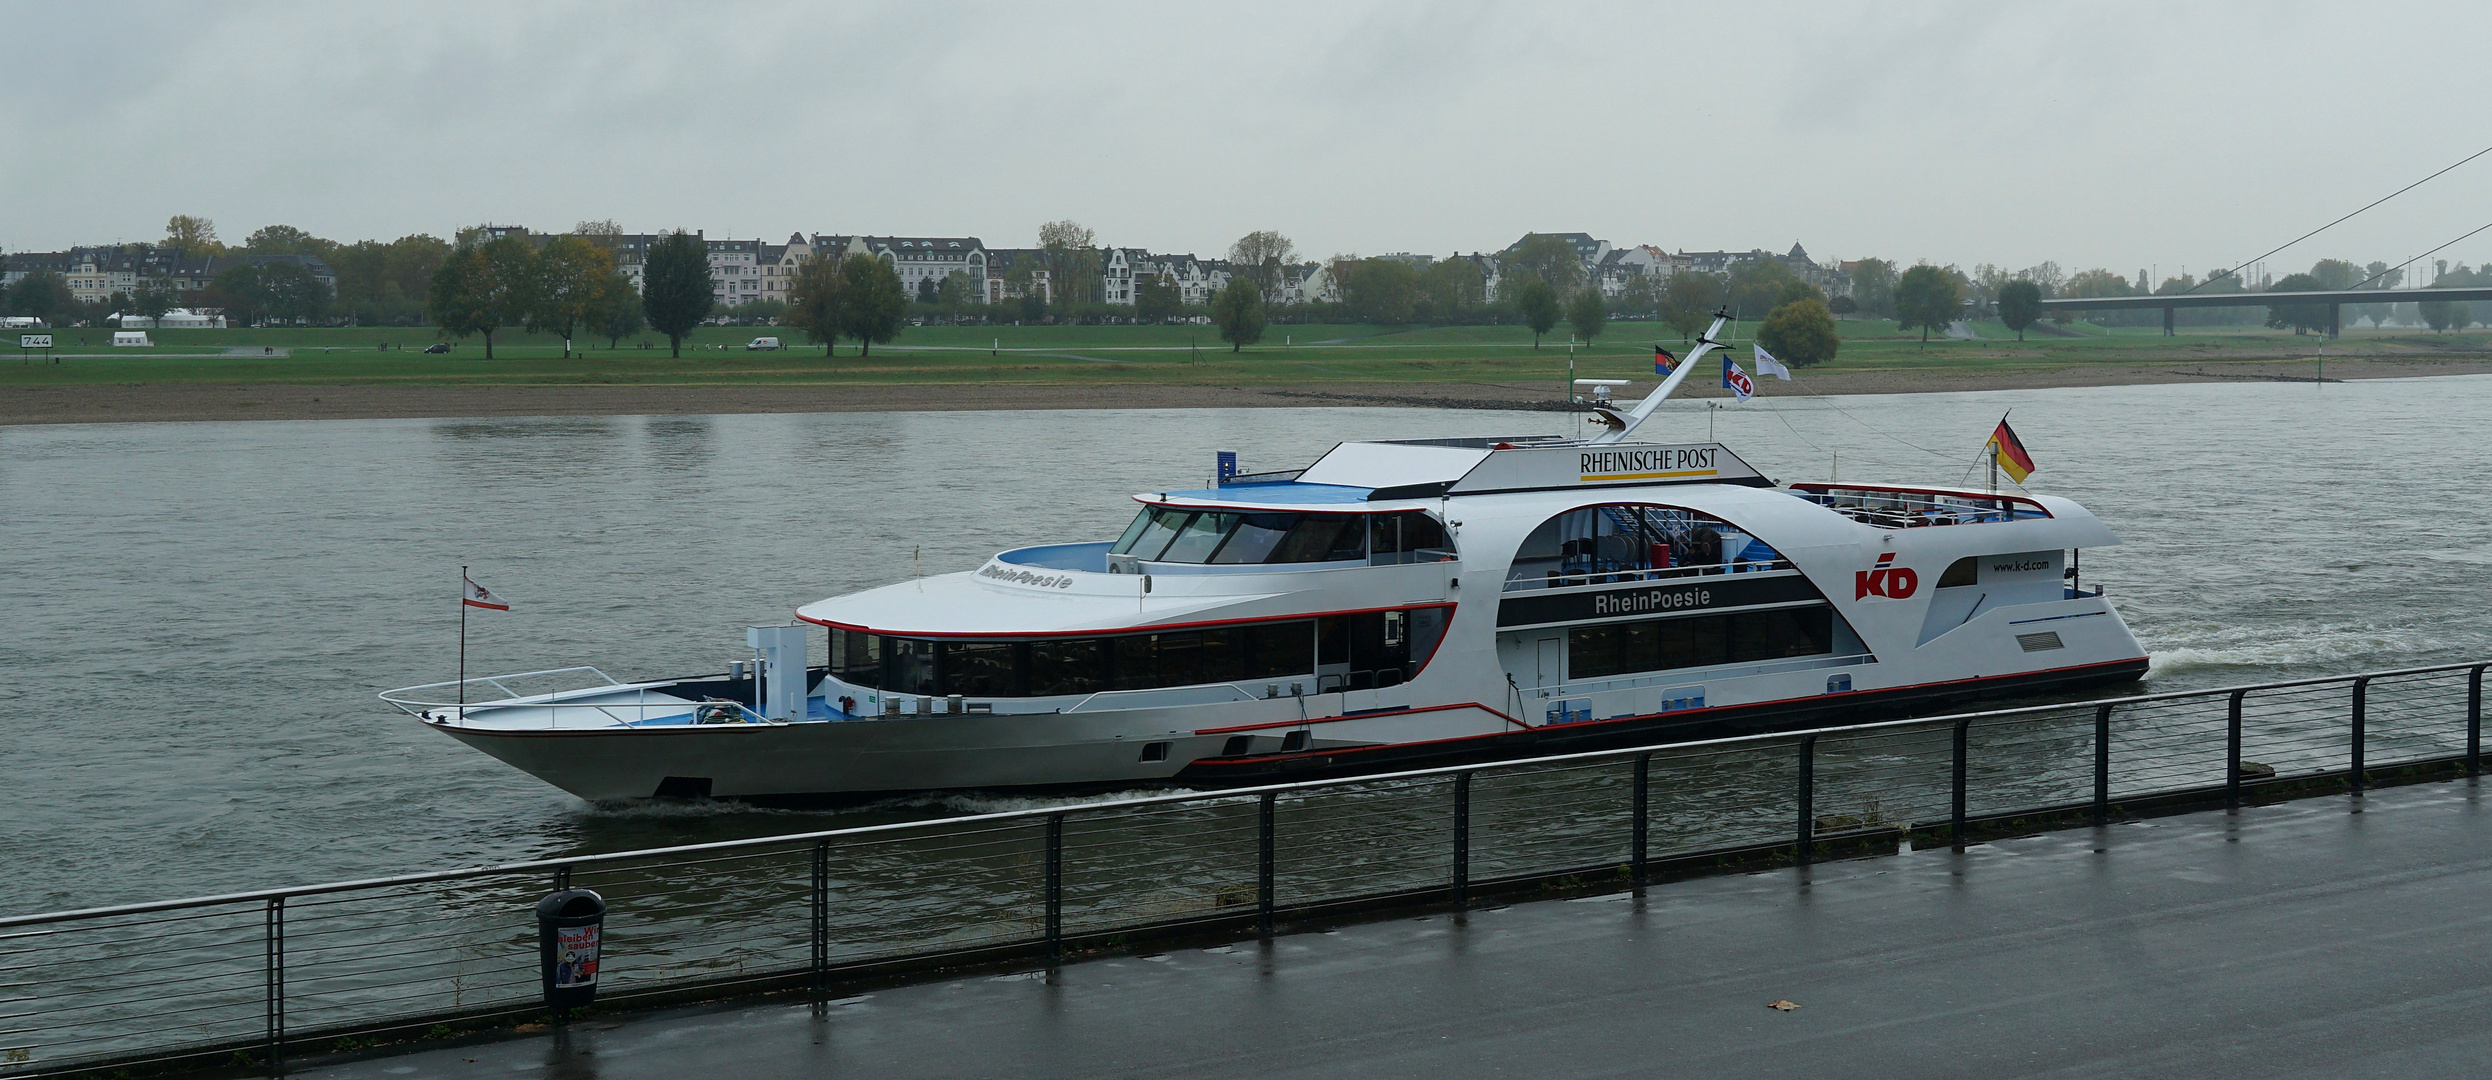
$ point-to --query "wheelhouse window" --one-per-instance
(1222, 537)
(1632, 542)
(1356, 651)
(1698, 641)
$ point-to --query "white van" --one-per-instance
(132, 337)
(760, 343)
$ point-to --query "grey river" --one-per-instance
(195, 617)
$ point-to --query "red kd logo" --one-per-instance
(1892, 582)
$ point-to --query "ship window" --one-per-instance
(1627, 541)
(979, 668)
(1964, 571)
(1198, 538)
(1254, 538)
(909, 666)
(1156, 532)
(1388, 646)
(1698, 641)
(1070, 666)
(1317, 538)
(857, 659)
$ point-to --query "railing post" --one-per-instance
(1808, 797)
(1963, 758)
(2232, 752)
(2102, 765)
(1055, 887)
(2474, 721)
(1462, 839)
(1263, 862)
(821, 918)
(2362, 691)
(276, 977)
(1643, 817)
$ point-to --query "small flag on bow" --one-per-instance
(2009, 452)
(474, 595)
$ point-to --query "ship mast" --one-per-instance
(1622, 425)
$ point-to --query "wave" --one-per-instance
(2336, 645)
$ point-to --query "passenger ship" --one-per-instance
(1395, 604)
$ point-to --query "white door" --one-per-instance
(1551, 655)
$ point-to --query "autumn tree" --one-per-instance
(1800, 332)
(1071, 255)
(813, 300)
(618, 313)
(192, 237)
(1259, 256)
(1238, 312)
(569, 287)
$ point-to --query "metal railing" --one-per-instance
(429, 702)
(257, 975)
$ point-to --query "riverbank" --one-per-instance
(201, 401)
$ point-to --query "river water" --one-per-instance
(197, 616)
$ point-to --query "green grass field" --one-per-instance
(1289, 354)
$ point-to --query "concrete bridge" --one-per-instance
(2335, 300)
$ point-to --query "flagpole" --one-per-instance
(462, 645)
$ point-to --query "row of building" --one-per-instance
(750, 271)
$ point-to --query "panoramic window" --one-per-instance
(1629, 542)
(1356, 651)
(1172, 534)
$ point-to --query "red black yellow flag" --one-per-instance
(2010, 453)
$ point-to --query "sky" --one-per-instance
(2129, 136)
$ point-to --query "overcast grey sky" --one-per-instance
(2091, 134)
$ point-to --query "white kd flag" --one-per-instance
(475, 595)
(1767, 365)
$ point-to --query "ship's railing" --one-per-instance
(1902, 507)
(1559, 579)
(443, 703)
(259, 976)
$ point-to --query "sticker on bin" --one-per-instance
(575, 952)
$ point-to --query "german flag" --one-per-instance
(2009, 452)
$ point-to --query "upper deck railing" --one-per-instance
(1893, 507)
(262, 974)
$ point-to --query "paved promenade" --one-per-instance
(2325, 938)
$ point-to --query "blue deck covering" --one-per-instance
(1284, 493)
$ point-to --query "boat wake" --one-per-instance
(2288, 650)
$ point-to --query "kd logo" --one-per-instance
(1892, 582)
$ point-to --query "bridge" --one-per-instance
(2335, 299)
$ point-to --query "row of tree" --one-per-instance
(567, 285)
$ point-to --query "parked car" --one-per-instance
(760, 343)
(438, 347)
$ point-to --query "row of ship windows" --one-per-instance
(1375, 648)
(1739, 637)
(1176, 535)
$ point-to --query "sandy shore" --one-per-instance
(204, 401)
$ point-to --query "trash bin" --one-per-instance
(569, 925)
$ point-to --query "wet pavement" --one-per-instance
(2336, 937)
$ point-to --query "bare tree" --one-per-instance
(1070, 251)
(1259, 255)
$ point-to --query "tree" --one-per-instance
(1873, 286)
(1843, 305)
(1156, 299)
(2335, 275)
(1687, 299)
(1238, 312)
(1587, 313)
(1546, 259)
(1763, 284)
(1259, 255)
(872, 303)
(291, 292)
(1800, 332)
(1378, 290)
(1033, 308)
(1538, 304)
(618, 310)
(955, 291)
(191, 237)
(605, 234)
(285, 240)
(42, 294)
(1449, 290)
(926, 291)
(153, 298)
(813, 300)
(1927, 298)
(2301, 318)
(236, 291)
(510, 283)
(1070, 254)
(2020, 303)
(675, 289)
(571, 274)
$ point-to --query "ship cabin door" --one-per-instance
(1552, 654)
